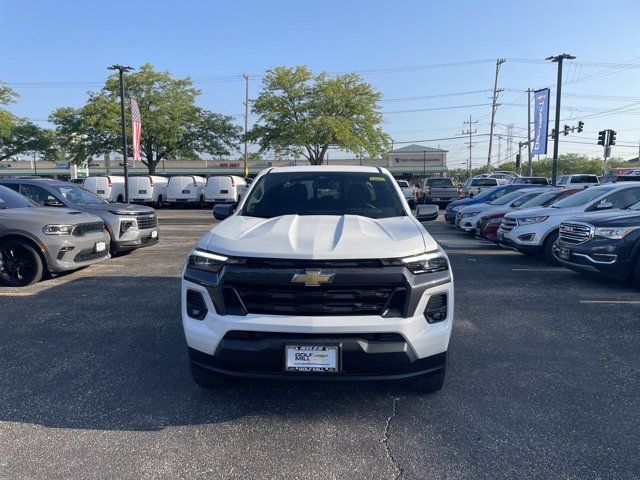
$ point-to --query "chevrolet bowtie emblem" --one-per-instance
(312, 278)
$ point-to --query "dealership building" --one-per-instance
(409, 162)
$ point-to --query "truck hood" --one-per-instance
(318, 237)
(49, 215)
(113, 207)
(610, 218)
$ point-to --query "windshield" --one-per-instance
(11, 199)
(486, 194)
(77, 195)
(508, 198)
(333, 193)
(403, 183)
(542, 199)
(439, 182)
(581, 198)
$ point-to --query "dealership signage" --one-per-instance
(541, 122)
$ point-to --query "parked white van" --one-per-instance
(149, 189)
(186, 189)
(109, 187)
(224, 189)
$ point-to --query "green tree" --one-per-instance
(7, 96)
(27, 137)
(172, 125)
(303, 114)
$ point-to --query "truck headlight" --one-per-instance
(530, 220)
(469, 214)
(207, 261)
(57, 229)
(614, 233)
(427, 262)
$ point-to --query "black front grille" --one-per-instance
(89, 254)
(384, 300)
(481, 224)
(147, 221)
(84, 228)
(508, 224)
(292, 263)
(252, 336)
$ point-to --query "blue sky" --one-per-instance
(74, 41)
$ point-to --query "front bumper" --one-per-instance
(416, 346)
(585, 258)
(68, 252)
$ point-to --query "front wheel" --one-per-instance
(20, 264)
(547, 249)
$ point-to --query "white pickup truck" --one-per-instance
(320, 273)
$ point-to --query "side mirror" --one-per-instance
(516, 204)
(425, 213)
(53, 203)
(604, 205)
(220, 212)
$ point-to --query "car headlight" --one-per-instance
(614, 233)
(455, 209)
(209, 261)
(495, 221)
(58, 229)
(530, 220)
(427, 262)
(469, 214)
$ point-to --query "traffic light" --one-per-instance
(553, 134)
(567, 129)
(517, 160)
(602, 137)
(612, 137)
(580, 126)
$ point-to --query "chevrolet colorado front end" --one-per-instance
(322, 273)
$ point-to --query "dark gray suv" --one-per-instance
(36, 239)
(130, 226)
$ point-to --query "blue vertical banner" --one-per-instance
(541, 122)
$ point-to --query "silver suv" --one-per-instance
(130, 226)
(34, 239)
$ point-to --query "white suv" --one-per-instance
(534, 231)
(322, 273)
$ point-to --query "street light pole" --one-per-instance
(121, 69)
(558, 59)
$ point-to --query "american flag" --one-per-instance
(136, 129)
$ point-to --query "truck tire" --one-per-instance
(205, 378)
(20, 263)
(547, 249)
(429, 383)
(120, 199)
(159, 202)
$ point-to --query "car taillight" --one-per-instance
(233, 182)
(459, 191)
(479, 189)
(429, 191)
(109, 181)
(150, 182)
(194, 183)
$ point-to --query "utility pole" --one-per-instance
(558, 59)
(470, 132)
(389, 156)
(121, 69)
(424, 164)
(529, 91)
(494, 106)
(246, 120)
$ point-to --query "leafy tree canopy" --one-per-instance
(303, 114)
(172, 125)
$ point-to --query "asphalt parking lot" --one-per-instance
(543, 382)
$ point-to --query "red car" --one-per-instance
(488, 226)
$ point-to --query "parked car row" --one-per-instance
(594, 230)
(159, 191)
(49, 226)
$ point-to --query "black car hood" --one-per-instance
(618, 218)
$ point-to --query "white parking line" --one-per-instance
(547, 269)
(623, 302)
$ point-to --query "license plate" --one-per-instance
(100, 192)
(311, 358)
(154, 234)
(185, 191)
(224, 191)
(100, 246)
(500, 236)
(142, 192)
(564, 253)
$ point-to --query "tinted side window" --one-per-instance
(624, 198)
(37, 194)
(13, 186)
